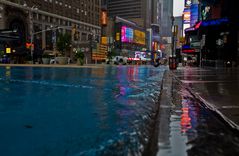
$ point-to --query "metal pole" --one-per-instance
(173, 36)
(32, 46)
(31, 33)
(31, 29)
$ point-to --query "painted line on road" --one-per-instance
(198, 81)
(229, 107)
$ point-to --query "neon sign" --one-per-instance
(188, 51)
(215, 22)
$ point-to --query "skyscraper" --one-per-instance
(138, 11)
(165, 16)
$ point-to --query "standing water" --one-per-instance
(76, 111)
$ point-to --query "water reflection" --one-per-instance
(192, 129)
(85, 111)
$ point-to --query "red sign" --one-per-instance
(188, 50)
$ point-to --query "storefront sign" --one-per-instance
(8, 50)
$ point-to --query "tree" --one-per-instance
(111, 54)
(63, 43)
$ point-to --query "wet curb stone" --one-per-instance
(164, 100)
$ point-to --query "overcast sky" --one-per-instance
(178, 7)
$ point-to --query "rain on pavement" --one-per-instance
(188, 127)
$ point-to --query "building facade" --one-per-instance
(165, 23)
(166, 14)
(214, 36)
(138, 11)
(32, 16)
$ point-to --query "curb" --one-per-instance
(152, 146)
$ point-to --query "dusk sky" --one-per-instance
(178, 7)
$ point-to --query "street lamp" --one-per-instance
(92, 45)
(172, 59)
(31, 26)
(173, 35)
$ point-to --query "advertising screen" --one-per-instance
(127, 34)
(139, 37)
(186, 16)
(103, 17)
(194, 14)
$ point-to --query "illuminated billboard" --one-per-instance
(127, 34)
(104, 17)
(139, 37)
(186, 16)
(194, 14)
(104, 40)
(206, 12)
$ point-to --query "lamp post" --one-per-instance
(172, 59)
(92, 45)
(32, 27)
(38, 32)
(173, 35)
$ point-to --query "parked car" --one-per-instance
(120, 60)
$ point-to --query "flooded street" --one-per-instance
(108, 111)
(187, 127)
(77, 112)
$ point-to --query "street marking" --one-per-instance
(229, 107)
(197, 81)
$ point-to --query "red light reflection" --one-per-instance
(185, 118)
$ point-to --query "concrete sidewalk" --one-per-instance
(218, 89)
